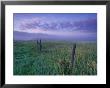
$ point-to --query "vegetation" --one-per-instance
(54, 58)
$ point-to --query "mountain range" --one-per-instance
(35, 36)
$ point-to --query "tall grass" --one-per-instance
(54, 59)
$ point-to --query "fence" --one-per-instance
(39, 45)
(66, 66)
(73, 55)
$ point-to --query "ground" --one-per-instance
(54, 58)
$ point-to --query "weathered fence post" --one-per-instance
(40, 44)
(73, 55)
(37, 45)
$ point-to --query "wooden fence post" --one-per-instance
(73, 55)
(40, 44)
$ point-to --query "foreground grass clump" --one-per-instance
(54, 59)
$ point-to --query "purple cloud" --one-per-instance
(85, 25)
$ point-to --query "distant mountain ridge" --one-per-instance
(34, 36)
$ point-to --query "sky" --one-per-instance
(75, 25)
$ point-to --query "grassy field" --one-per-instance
(54, 59)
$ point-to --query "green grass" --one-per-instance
(54, 59)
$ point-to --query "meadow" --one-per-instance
(54, 58)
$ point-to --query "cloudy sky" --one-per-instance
(58, 24)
